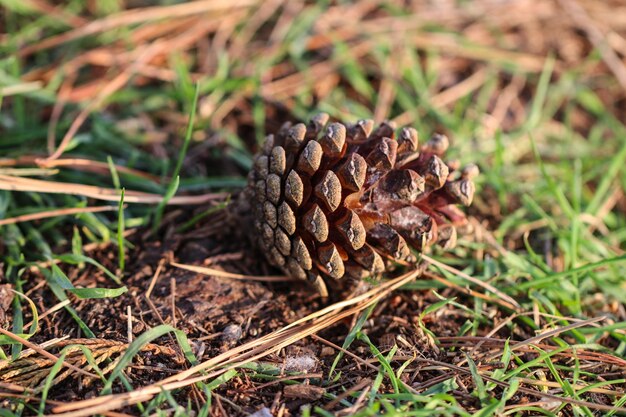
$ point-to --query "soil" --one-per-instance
(219, 313)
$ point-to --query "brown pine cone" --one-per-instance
(330, 200)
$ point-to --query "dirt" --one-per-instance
(217, 314)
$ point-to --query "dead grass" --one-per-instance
(526, 316)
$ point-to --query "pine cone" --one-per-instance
(334, 200)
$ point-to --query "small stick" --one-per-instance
(129, 316)
(55, 213)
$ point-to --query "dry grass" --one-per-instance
(528, 87)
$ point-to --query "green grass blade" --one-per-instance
(173, 186)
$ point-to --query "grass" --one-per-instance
(158, 111)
